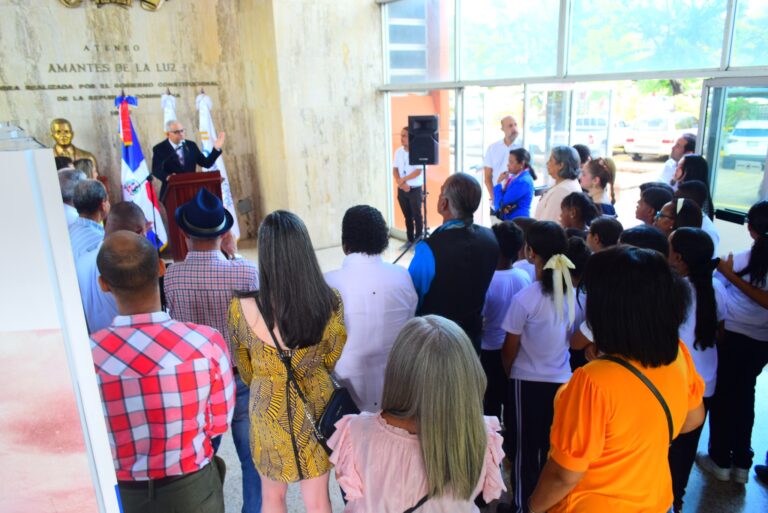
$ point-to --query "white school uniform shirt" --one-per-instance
(379, 299)
(743, 315)
(404, 168)
(526, 266)
(709, 227)
(543, 354)
(705, 360)
(497, 157)
(504, 285)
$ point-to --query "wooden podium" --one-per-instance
(181, 188)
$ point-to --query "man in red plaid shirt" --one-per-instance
(167, 388)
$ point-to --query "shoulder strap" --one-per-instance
(642, 377)
(292, 379)
(418, 504)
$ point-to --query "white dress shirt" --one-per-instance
(379, 299)
(668, 173)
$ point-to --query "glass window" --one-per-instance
(420, 40)
(591, 109)
(736, 146)
(500, 40)
(750, 37)
(649, 35)
(484, 108)
(407, 34)
(440, 103)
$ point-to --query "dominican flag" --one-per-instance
(134, 174)
(207, 136)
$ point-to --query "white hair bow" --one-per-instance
(561, 266)
(679, 205)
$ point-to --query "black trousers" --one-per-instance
(526, 442)
(740, 360)
(496, 391)
(410, 204)
(682, 452)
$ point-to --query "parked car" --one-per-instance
(619, 133)
(655, 136)
(748, 141)
(591, 131)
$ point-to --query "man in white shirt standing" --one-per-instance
(409, 180)
(68, 178)
(684, 145)
(379, 298)
(497, 154)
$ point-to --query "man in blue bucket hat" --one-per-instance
(199, 290)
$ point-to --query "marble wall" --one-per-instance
(293, 84)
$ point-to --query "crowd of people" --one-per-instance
(580, 353)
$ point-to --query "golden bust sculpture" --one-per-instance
(61, 131)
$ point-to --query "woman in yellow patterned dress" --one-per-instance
(307, 319)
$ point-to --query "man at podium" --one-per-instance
(177, 155)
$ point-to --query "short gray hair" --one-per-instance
(170, 123)
(463, 193)
(569, 158)
(434, 377)
(68, 178)
(89, 195)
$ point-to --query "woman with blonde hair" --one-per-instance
(430, 447)
(288, 336)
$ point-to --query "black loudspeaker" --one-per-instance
(423, 140)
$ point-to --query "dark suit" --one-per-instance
(165, 161)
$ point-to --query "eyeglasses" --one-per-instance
(177, 132)
(659, 215)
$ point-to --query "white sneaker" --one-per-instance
(712, 468)
(739, 475)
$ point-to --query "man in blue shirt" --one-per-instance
(99, 306)
(451, 270)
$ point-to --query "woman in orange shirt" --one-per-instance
(610, 434)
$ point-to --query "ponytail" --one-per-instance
(604, 169)
(695, 247)
(546, 239)
(757, 268)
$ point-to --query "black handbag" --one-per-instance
(338, 405)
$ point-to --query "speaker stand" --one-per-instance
(425, 227)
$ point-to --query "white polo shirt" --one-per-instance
(705, 360)
(543, 354)
(497, 157)
(405, 169)
(743, 315)
(504, 285)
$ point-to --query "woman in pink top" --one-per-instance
(430, 448)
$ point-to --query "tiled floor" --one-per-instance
(704, 495)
